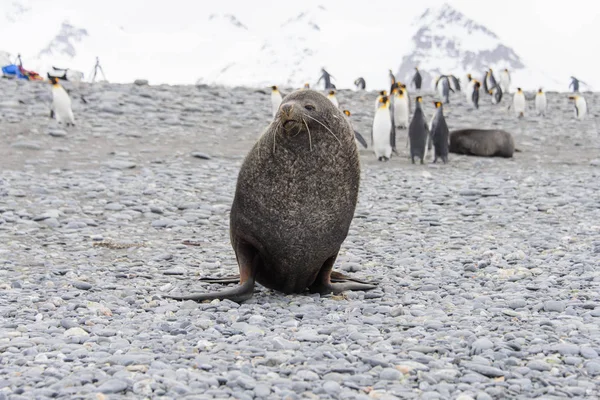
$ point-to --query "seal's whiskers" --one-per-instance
(324, 126)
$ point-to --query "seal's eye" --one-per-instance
(310, 107)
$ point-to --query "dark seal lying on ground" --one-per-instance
(295, 198)
(482, 142)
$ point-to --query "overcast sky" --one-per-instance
(554, 36)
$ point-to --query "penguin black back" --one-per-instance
(439, 134)
(417, 133)
(417, 79)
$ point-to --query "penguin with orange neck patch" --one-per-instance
(359, 138)
(61, 104)
(333, 99)
(276, 100)
(382, 138)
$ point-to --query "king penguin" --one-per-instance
(392, 80)
(417, 79)
(505, 80)
(443, 87)
(275, 99)
(359, 138)
(418, 132)
(455, 83)
(492, 79)
(519, 103)
(381, 135)
(469, 88)
(401, 112)
(496, 93)
(484, 82)
(439, 134)
(360, 83)
(580, 106)
(474, 97)
(540, 102)
(333, 99)
(61, 104)
(307, 86)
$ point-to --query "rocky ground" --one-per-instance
(488, 269)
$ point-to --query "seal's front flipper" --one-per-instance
(225, 279)
(323, 284)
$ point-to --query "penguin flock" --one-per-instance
(393, 110)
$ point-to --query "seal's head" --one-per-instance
(308, 112)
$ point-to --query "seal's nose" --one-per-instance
(287, 108)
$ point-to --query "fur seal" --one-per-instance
(294, 201)
(482, 142)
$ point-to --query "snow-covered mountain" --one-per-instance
(222, 47)
(291, 55)
(447, 42)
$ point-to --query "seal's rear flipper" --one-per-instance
(339, 277)
(249, 261)
(238, 294)
(323, 284)
(225, 279)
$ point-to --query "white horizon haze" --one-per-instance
(171, 42)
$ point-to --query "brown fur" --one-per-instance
(482, 142)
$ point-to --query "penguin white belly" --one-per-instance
(275, 102)
(581, 109)
(504, 83)
(440, 90)
(401, 111)
(519, 104)
(433, 82)
(377, 101)
(382, 127)
(334, 100)
(540, 104)
(61, 104)
(469, 91)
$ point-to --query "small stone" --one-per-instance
(390, 374)
(262, 390)
(539, 365)
(141, 82)
(592, 368)
(198, 154)
(554, 306)
(57, 132)
(332, 388)
(481, 345)
(113, 386)
(26, 145)
(588, 352)
(75, 332)
(82, 285)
